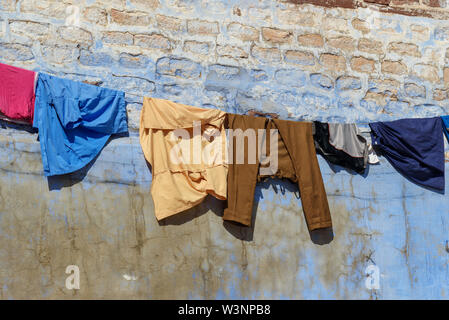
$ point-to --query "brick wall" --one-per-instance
(300, 61)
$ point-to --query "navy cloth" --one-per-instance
(75, 120)
(415, 147)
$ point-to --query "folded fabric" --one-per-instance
(446, 126)
(342, 144)
(415, 147)
(186, 147)
(295, 157)
(17, 94)
(75, 120)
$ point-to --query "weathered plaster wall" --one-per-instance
(302, 62)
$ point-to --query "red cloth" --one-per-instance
(17, 93)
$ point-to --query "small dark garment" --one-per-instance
(349, 149)
(415, 147)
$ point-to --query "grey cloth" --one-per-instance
(342, 144)
(347, 137)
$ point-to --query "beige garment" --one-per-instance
(186, 165)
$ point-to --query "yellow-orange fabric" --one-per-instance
(185, 168)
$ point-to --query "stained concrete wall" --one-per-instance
(302, 62)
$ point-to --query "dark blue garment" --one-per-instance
(415, 147)
(75, 120)
(446, 126)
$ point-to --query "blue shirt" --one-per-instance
(446, 126)
(414, 147)
(75, 120)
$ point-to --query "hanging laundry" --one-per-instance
(446, 126)
(295, 160)
(186, 147)
(342, 144)
(372, 156)
(415, 147)
(75, 120)
(17, 94)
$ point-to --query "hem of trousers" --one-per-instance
(320, 225)
(234, 218)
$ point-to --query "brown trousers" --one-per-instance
(297, 161)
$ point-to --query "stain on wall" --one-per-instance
(424, 8)
(302, 62)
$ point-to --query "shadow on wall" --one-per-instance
(66, 180)
(24, 127)
(209, 204)
(320, 237)
(70, 179)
